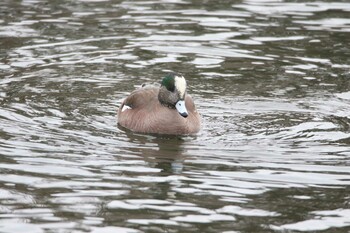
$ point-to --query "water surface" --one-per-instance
(270, 79)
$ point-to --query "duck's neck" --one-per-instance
(166, 97)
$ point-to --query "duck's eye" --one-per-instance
(171, 88)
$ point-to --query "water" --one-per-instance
(270, 79)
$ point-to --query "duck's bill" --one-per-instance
(181, 108)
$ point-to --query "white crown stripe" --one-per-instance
(180, 85)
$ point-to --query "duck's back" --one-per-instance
(142, 112)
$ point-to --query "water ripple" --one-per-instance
(270, 79)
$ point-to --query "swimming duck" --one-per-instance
(167, 109)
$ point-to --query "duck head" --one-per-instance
(172, 93)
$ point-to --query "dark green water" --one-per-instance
(270, 79)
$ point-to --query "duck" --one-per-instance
(165, 109)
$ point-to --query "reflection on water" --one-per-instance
(270, 79)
